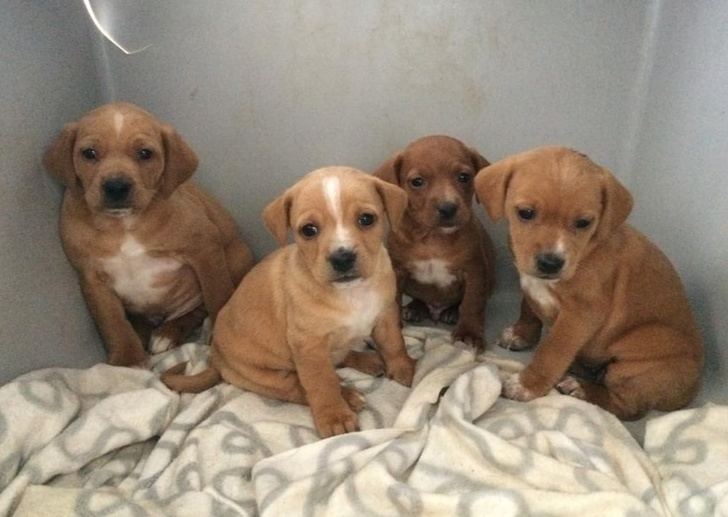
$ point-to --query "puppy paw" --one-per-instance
(159, 343)
(134, 357)
(514, 390)
(331, 421)
(571, 386)
(512, 341)
(470, 336)
(449, 316)
(354, 398)
(414, 312)
(402, 370)
(369, 362)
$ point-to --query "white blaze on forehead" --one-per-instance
(118, 122)
(332, 193)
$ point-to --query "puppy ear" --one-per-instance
(394, 199)
(479, 161)
(616, 205)
(390, 170)
(276, 216)
(58, 158)
(491, 186)
(180, 161)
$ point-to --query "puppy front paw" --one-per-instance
(132, 356)
(354, 398)
(401, 370)
(513, 389)
(330, 421)
(571, 386)
(415, 311)
(470, 335)
(512, 341)
(159, 343)
(449, 316)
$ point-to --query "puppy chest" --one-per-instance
(540, 293)
(361, 306)
(435, 272)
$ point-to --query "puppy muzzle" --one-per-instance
(117, 193)
(343, 264)
(446, 213)
(549, 265)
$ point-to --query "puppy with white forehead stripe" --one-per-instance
(615, 303)
(299, 312)
(154, 253)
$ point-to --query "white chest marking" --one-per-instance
(134, 273)
(433, 271)
(363, 304)
(540, 292)
(332, 192)
(118, 122)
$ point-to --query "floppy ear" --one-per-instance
(616, 205)
(394, 199)
(491, 186)
(180, 161)
(58, 158)
(479, 161)
(390, 170)
(276, 216)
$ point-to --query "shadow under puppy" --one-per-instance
(443, 257)
(615, 304)
(154, 253)
(298, 313)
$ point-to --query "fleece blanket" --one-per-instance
(115, 441)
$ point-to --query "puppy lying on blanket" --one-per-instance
(443, 257)
(298, 313)
(150, 248)
(615, 303)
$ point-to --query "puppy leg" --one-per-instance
(388, 336)
(471, 319)
(123, 346)
(214, 276)
(654, 368)
(239, 260)
(523, 334)
(415, 311)
(449, 316)
(367, 362)
(172, 333)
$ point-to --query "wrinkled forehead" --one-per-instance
(118, 123)
(332, 195)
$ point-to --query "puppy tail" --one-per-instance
(176, 380)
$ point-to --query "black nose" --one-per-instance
(447, 210)
(549, 263)
(116, 190)
(342, 260)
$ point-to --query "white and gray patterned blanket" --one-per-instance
(115, 441)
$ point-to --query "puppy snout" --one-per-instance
(342, 260)
(116, 191)
(549, 263)
(447, 210)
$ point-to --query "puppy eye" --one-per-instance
(89, 153)
(526, 214)
(145, 154)
(309, 231)
(417, 182)
(582, 223)
(366, 219)
(465, 177)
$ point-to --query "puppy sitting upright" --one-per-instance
(615, 303)
(149, 247)
(443, 256)
(298, 313)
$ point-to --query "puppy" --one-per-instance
(298, 313)
(443, 257)
(151, 249)
(614, 302)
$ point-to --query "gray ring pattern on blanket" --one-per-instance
(271, 496)
(235, 475)
(9, 468)
(40, 400)
(674, 446)
(406, 499)
(296, 432)
(466, 502)
(90, 502)
(189, 478)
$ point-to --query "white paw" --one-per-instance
(159, 344)
(571, 386)
(510, 341)
(513, 389)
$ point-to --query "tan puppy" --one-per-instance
(150, 248)
(615, 303)
(298, 313)
(443, 256)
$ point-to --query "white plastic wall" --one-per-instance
(266, 91)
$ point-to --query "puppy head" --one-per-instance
(559, 205)
(119, 157)
(437, 173)
(339, 218)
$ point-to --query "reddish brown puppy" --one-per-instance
(616, 306)
(443, 257)
(154, 253)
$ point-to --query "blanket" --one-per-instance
(116, 441)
